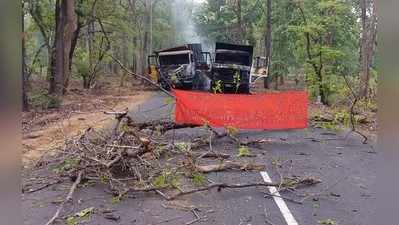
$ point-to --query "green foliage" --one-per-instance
(332, 126)
(289, 182)
(42, 100)
(198, 179)
(237, 79)
(80, 216)
(217, 87)
(66, 165)
(168, 178)
(328, 222)
(331, 52)
(71, 220)
(233, 131)
(182, 146)
(331, 49)
(116, 200)
(342, 117)
(218, 21)
(82, 63)
(243, 151)
(169, 100)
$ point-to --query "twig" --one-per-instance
(285, 198)
(124, 146)
(213, 155)
(197, 217)
(67, 199)
(352, 112)
(141, 76)
(325, 189)
(42, 187)
(221, 186)
(228, 165)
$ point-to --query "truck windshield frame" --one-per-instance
(224, 56)
(174, 58)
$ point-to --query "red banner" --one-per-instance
(280, 110)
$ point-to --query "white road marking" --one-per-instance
(289, 218)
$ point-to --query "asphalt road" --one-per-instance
(346, 195)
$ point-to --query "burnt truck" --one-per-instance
(231, 69)
(182, 67)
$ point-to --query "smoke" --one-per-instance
(183, 12)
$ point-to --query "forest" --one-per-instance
(98, 118)
(327, 44)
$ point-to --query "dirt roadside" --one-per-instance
(45, 131)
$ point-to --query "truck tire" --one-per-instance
(187, 86)
(244, 89)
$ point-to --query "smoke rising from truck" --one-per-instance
(183, 12)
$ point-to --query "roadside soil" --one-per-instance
(45, 130)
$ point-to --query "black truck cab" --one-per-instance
(231, 69)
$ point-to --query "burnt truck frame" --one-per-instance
(231, 69)
(182, 67)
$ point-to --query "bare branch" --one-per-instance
(67, 199)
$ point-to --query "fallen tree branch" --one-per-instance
(228, 165)
(197, 217)
(213, 155)
(42, 187)
(221, 186)
(141, 77)
(352, 112)
(67, 199)
(163, 125)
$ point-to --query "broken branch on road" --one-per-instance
(134, 158)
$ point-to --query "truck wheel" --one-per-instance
(188, 86)
(244, 89)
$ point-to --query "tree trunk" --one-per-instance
(25, 104)
(319, 74)
(268, 43)
(75, 39)
(369, 22)
(66, 26)
(146, 39)
(240, 34)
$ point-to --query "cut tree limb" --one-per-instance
(141, 77)
(228, 165)
(67, 199)
(221, 186)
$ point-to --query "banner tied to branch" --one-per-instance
(272, 111)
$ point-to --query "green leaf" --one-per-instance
(198, 179)
(328, 222)
(85, 212)
(243, 151)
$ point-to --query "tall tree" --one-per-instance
(147, 32)
(268, 43)
(66, 25)
(25, 105)
(240, 32)
(369, 23)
